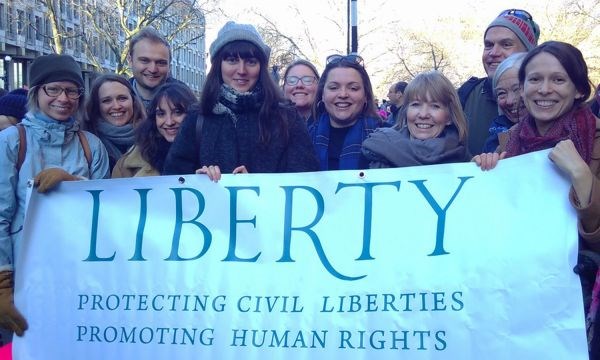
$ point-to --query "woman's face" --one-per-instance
(426, 119)
(168, 119)
(301, 94)
(548, 90)
(59, 107)
(508, 93)
(240, 74)
(116, 103)
(344, 96)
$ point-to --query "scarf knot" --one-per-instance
(233, 102)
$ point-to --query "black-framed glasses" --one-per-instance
(335, 58)
(518, 13)
(55, 91)
(306, 80)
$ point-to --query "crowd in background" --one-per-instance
(534, 97)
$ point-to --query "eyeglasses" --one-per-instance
(55, 91)
(518, 13)
(306, 80)
(332, 59)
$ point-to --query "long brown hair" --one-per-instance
(92, 106)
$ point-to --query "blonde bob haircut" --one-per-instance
(434, 86)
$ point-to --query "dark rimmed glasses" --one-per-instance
(55, 91)
(332, 59)
(306, 80)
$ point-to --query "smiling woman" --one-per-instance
(154, 136)
(300, 81)
(243, 124)
(345, 114)
(49, 147)
(112, 111)
(431, 129)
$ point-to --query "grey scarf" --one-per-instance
(116, 139)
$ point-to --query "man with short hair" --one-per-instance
(396, 97)
(512, 31)
(150, 59)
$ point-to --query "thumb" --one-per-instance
(502, 155)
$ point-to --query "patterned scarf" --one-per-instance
(232, 102)
(352, 147)
(578, 125)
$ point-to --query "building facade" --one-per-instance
(26, 33)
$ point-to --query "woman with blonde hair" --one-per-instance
(431, 129)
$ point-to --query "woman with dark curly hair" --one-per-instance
(154, 136)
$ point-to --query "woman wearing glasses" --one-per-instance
(244, 124)
(300, 87)
(50, 148)
(112, 113)
(345, 114)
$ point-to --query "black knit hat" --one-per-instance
(13, 104)
(53, 67)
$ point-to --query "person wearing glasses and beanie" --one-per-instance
(345, 114)
(244, 124)
(512, 31)
(300, 87)
(54, 151)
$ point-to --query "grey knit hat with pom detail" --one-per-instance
(233, 31)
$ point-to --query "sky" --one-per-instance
(326, 21)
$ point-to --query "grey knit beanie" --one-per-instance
(233, 31)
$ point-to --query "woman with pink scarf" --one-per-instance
(555, 89)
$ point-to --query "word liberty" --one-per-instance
(187, 197)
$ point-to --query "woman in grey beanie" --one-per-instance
(243, 124)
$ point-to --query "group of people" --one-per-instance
(533, 98)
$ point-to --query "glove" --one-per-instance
(48, 179)
(10, 318)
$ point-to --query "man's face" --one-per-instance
(499, 43)
(395, 97)
(149, 63)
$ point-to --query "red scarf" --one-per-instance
(578, 125)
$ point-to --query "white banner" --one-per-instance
(436, 262)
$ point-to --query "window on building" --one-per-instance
(30, 26)
(20, 22)
(39, 28)
(2, 17)
(11, 22)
